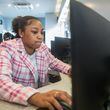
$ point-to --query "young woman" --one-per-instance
(24, 64)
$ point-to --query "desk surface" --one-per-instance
(64, 84)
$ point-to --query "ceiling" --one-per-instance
(39, 8)
(12, 8)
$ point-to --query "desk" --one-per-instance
(64, 84)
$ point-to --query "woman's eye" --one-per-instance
(34, 32)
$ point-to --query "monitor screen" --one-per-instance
(1, 37)
(90, 45)
(60, 48)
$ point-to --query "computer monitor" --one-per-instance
(1, 37)
(90, 46)
(60, 48)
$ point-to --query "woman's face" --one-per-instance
(32, 36)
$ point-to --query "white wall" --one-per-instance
(52, 28)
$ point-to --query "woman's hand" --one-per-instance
(49, 99)
(70, 72)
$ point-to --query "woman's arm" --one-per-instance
(57, 64)
(17, 93)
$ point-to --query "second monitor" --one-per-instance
(60, 48)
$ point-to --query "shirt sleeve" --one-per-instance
(57, 64)
(9, 90)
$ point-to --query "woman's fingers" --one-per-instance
(50, 99)
(55, 103)
(66, 98)
(63, 96)
(48, 105)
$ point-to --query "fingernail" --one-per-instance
(61, 108)
(70, 103)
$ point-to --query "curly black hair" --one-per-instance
(20, 23)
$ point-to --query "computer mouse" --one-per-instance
(64, 105)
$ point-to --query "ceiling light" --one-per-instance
(37, 5)
(9, 5)
(22, 4)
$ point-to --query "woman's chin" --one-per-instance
(38, 45)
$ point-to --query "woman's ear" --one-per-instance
(20, 33)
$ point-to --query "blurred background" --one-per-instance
(54, 15)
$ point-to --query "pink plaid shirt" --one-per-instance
(17, 78)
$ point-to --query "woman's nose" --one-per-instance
(39, 35)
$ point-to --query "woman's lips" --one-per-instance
(38, 43)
